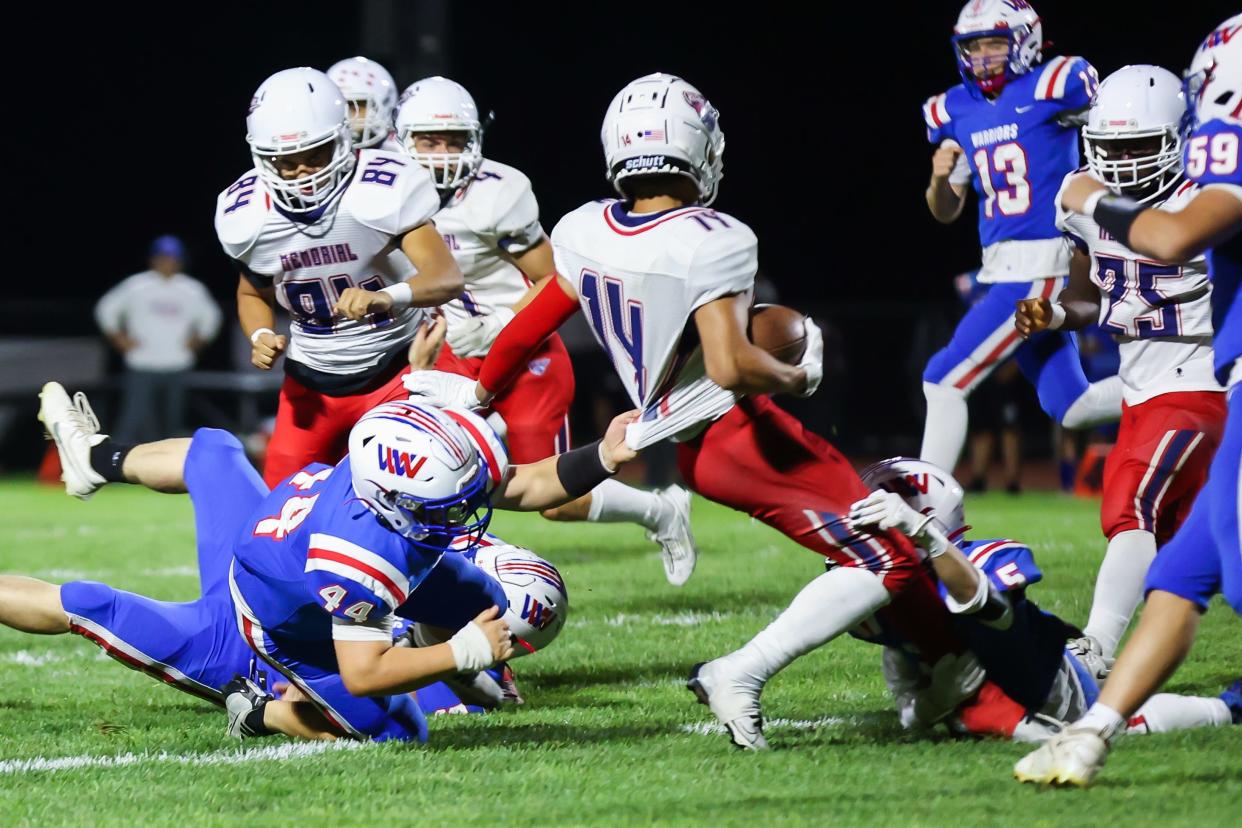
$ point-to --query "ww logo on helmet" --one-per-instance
(399, 462)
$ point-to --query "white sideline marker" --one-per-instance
(274, 753)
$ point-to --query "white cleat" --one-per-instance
(676, 541)
(735, 705)
(1072, 757)
(1091, 655)
(75, 429)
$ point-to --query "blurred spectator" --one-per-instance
(158, 320)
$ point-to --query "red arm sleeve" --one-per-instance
(524, 334)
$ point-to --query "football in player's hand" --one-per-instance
(779, 331)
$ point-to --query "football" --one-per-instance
(780, 331)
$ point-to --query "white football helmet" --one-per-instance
(925, 487)
(371, 94)
(434, 105)
(418, 469)
(538, 602)
(293, 111)
(1011, 19)
(1213, 82)
(1133, 137)
(659, 124)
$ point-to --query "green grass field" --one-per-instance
(608, 734)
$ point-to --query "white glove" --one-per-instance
(813, 357)
(442, 389)
(473, 337)
(887, 510)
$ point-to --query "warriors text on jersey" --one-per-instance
(1017, 147)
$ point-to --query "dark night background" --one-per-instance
(137, 116)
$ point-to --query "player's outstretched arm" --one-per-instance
(1212, 216)
(473, 336)
(376, 668)
(511, 351)
(1076, 307)
(944, 198)
(733, 362)
(555, 481)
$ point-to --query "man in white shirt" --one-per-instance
(158, 320)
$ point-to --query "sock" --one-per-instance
(615, 502)
(1119, 587)
(1100, 403)
(108, 458)
(826, 607)
(1103, 720)
(1166, 711)
(252, 723)
(944, 432)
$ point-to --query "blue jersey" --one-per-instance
(1213, 155)
(313, 552)
(1017, 146)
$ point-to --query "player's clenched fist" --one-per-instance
(1032, 316)
(944, 159)
(265, 347)
(356, 302)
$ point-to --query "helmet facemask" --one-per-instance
(1143, 165)
(450, 170)
(310, 191)
(369, 120)
(1022, 53)
(434, 524)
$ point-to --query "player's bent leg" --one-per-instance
(300, 436)
(984, 338)
(824, 609)
(1166, 712)
(31, 606)
(225, 489)
(1051, 362)
(945, 429)
(190, 646)
(159, 466)
(1224, 493)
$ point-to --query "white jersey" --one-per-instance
(485, 225)
(353, 241)
(1160, 314)
(640, 278)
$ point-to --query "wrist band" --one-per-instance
(582, 469)
(254, 337)
(1058, 316)
(1116, 214)
(402, 295)
(1088, 206)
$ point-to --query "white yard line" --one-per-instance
(274, 753)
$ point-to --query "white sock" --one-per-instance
(1100, 403)
(944, 432)
(1166, 711)
(1103, 720)
(1119, 587)
(615, 502)
(825, 608)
